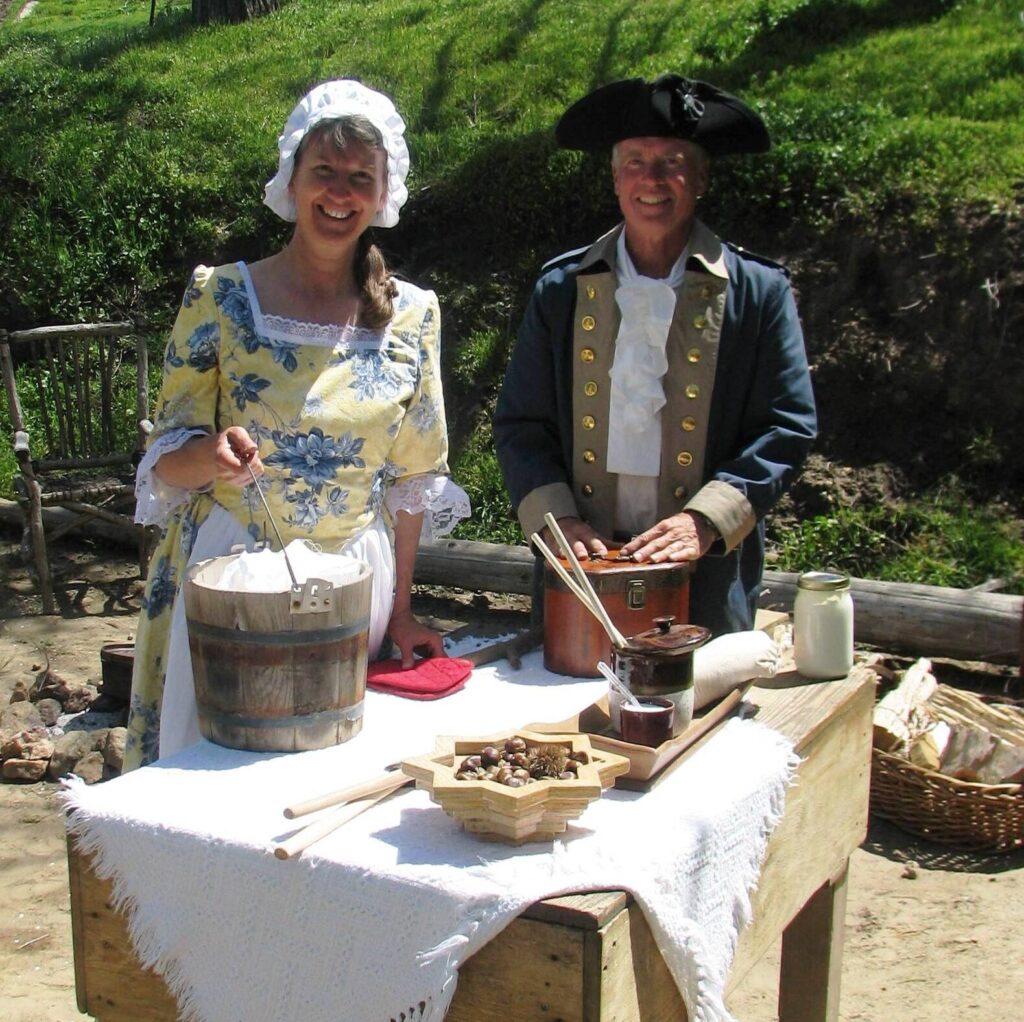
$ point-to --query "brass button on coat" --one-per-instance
(689, 424)
(700, 322)
(706, 291)
(588, 422)
(679, 492)
(589, 457)
(590, 388)
(591, 291)
(684, 458)
(693, 355)
(587, 355)
(588, 490)
(588, 322)
(693, 391)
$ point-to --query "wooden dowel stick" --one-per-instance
(599, 609)
(318, 829)
(381, 784)
(572, 584)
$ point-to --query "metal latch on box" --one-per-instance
(636, 594)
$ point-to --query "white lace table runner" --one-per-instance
(372, 922)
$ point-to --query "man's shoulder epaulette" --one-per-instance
(565, 259)
(754, 257)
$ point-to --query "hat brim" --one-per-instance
(632, 109)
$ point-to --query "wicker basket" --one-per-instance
(979, 817)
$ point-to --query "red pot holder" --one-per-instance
(429, 678)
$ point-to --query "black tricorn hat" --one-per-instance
(669, 107)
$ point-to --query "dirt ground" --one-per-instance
(930, 933)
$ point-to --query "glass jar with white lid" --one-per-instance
(823, 625)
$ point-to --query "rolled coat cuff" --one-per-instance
(727, 509)
(554, 497)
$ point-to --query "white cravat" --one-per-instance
(647, 305)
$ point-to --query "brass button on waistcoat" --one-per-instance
(588, 322)
(706, 291)
(689, 423)
(693, 355)
(589, 457)
(590, 388)
(700, 322)
(693, 391)
(588, 422)
(684, 458)
(587, 355)
(588, 490)
(679, 492)
(591, 291)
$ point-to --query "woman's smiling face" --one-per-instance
(337, 192)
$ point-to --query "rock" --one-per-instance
(73, 696)
(90, 767)
(72, 747)
(34, 743)
(78, 698)
(49, 686)
(18, 717)
(24, 769)
(20, 692)
(113, 748)
(49, 710)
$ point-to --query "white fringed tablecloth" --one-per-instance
(374, 920)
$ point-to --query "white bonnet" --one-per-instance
(329, 101)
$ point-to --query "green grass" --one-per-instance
(131, 153)
(937, 539)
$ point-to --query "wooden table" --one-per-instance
(591, 957)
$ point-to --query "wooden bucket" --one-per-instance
(270, 678)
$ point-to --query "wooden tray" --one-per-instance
(648, 766)
(536, 812)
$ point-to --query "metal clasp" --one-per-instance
(636, 594)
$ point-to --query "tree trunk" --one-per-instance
(206, 11)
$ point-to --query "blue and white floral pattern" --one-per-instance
(339, 415)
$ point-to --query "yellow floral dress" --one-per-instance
(340, 415)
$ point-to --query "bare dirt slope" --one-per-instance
(939, 939)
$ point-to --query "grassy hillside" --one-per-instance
(130, 153)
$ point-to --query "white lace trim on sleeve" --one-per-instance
(155, 501)
(443, 502)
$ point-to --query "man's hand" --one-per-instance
(409, 635)
(683, 537)
(580, 536)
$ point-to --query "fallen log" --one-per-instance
(934, 621)
(916, 620)
(57, 520)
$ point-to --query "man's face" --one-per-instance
(658, 182)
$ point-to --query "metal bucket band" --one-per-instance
(300, 637)
(235, 720)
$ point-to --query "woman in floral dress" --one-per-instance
(320, 371)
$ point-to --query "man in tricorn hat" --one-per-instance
(659, 390)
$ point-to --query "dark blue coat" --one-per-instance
(760, 421)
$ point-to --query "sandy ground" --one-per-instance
(936, 939)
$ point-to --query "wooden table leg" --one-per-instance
(812, 956)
